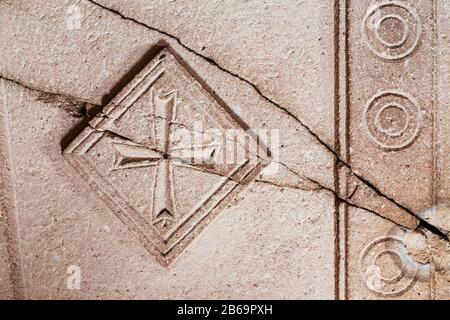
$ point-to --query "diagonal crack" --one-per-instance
(261, 94)
(422, 223)
(80, 105)
(47, 97)
(321, 187)
(74, 106)
(317, 186)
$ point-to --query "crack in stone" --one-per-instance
(422, 223)
(74, 106)
(48, 97)
(260, 93)
(301, 176)
(433, 229)
(288, 186)
(353, 192)
(323, 188)
(78, 102)
(254, 86)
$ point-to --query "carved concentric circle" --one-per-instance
(394, 129)
(392, 43)
(391, 276)
(397, 260)
(393, 119)
(391, 29)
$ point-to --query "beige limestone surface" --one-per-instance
(224, 149)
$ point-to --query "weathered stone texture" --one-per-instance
(100, 200)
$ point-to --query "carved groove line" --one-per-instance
(8, 202)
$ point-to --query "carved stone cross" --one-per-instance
(129, 155)
(169, 124)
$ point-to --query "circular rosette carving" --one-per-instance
(385, 267)
(391, 29)
(393, 120)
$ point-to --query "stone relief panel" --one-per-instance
(158, 156)
(392, 95)
(390, 109)
(142, 160)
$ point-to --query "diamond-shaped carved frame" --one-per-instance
(164, 249)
